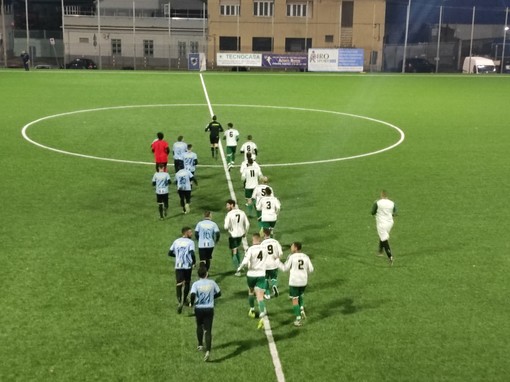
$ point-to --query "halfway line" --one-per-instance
(267, 325)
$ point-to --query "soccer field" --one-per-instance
(88, 291)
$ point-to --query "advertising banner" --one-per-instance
(194, 61)
(197, 61)
(285, 61)
(350, 60)
(322, 60)
(239, 59)
(335, 60)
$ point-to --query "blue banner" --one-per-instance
(194, 61)
(284, 61)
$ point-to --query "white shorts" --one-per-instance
(383, 230)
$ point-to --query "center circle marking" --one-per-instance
(30, 124)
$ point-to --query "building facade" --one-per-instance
(128, 34)
(294, 26)
(161, 34)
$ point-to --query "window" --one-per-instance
(263, 8)
(230, 43)
(297, 9)
(347, 13)
(116, 47)
(297, 44)
(182, 48)
(262, 44)
(148, 48)
(193, 46)
(229, 9)
(72, 10)
(328, 38)
(84, 40)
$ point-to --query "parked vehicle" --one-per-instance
(417, 65)
(478, 65)
(81, 63)
(43, 66)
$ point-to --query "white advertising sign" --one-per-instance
(323, 60)
(239, 59)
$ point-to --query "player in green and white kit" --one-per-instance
(274, 252)
(299, 266)
(269, 207)
(384, 209)
(250, 177)
(249, 147)
(258, 193)
(244, 164)
(231, 136)
(237, 225)
(255, 259)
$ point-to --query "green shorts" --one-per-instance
(272, 274)
(234, 242)
(295, 291)
(267, 224)
(231, 149)
(256, 282)
(248, 192)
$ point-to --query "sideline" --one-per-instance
(267, 325)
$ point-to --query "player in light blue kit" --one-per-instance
(160, 181)
(190, 159)
(207, 233)
(203, 293)
(183, 180)
(178, 150)
(183, 249)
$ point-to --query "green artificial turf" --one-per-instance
(88, 290)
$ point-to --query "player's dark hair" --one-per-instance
(214, 118)
(297, 244)
(267, 231)
(161, 166)
(202, 272)
(207, 214)
(190, 146)
(231, 201)
(268, 191)
(185, 229)
(230, 124)
(249, 137)
(160, 135)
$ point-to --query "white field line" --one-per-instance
(267, 325)
(28, 125)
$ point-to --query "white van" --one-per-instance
(478, 65)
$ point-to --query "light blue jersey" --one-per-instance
(190, 161)
(184, 250)
(179, 148)
(183, 178)
(205, 290)
(161, 181)
(207, 232)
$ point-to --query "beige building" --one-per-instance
(145, 34)
(292, 26)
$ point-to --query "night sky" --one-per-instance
(46, 14)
